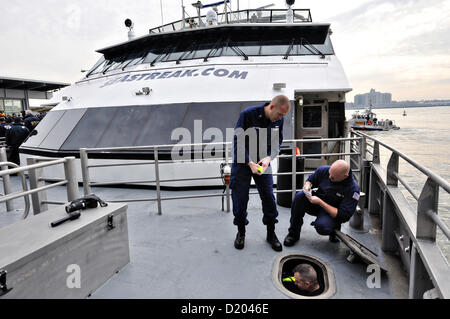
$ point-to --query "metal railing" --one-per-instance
(38, 187)
(411, 233)
(87, 184)
(241, 16)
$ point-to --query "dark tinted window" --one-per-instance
(251, 41)
(312, 116)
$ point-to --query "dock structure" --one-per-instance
(15, 93)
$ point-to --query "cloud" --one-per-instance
(396, 45)
(390, 45)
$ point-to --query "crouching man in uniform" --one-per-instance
(333, 203)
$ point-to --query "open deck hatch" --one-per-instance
(285, 264)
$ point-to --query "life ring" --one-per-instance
(369, 122)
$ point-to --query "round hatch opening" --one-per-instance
(284, 279)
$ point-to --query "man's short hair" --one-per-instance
(281, 100)
(307, 273)
(17, 120)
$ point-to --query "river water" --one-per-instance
(424, 136)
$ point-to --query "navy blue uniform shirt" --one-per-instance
(31, 122)
(342, 195)
(16, 135)
(255, 117)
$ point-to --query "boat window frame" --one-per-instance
(229, 43)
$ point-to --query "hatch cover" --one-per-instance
(358, 249)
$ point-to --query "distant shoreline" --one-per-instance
(393, 106)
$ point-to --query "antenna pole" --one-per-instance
(226, 11)
(183, 23)
(162, 15)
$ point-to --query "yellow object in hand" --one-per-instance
(260, 169)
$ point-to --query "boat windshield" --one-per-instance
(215, 42)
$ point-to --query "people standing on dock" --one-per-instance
(14, 138)
(30, 121)
(270, 117)
(3, 127)
(334, 201)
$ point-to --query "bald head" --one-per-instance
(280, 101)
(339, 171)
(278, 108)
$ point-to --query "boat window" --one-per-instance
(183, 50)
(121, 62)
(312, 116)
(113, 63)
(276, 47)
(133, 59)
(249, 47)
(204, 49)
(98, 66)
(267, 41)
(151, 56)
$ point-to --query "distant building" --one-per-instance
(15, 94)
(374, 97)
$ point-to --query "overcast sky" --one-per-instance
(397, 46)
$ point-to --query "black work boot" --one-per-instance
(291, 239)
(240, 238)
(333, 238)
(272, 238)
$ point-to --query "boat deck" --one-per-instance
(188, 251)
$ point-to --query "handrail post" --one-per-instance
(36, 198)
(227, 186)
(362, 152)
(84, 160)
(70, 172)
(419, 280)
(392, 170)
(428, 200)
(376, 153)
(158, 186)
(6, 180)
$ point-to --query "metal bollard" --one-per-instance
(37, 198)
(357, 220)
(84, 160)
(70, 172)
(158, 184)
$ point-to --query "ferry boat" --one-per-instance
(368, 121)
(194, 74)
(387, 250)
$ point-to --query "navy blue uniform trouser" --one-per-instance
(241, 176)
(324, 223)
(14, 155)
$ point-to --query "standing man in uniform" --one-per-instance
(30, 121)
(3, 127)
(14, 138)
(334, 201)
(246, 165)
